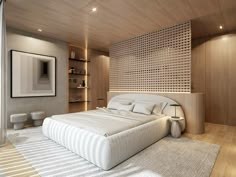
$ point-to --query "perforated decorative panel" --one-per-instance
(155, 62)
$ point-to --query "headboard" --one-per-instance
(155, 99)
(193, 105)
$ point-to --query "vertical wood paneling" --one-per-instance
(231, 120)
(99, 78)
(220, 76)
(216, 80)
(198, 69)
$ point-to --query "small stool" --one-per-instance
(38, 117)
(18, 120)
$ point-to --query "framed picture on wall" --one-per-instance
(32, 75)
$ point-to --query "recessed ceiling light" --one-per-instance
(221, 27)
(40, 30)
(94, 9)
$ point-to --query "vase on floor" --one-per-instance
(175, 129)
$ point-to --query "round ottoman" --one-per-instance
(38, 117)
(18, 120)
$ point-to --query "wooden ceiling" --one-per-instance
(209, 25)
(115, 20)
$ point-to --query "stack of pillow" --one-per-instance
(141, 107)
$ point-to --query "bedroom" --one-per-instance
(118, 88)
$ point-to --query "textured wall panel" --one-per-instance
(155, 62)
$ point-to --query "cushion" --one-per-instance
(113, 105)
(158, 109)
(126, 107)
(116, 103)
(143, 108)
(124, 101)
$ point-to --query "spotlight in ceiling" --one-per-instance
(39, 30)
(221, 27)
(94, 9)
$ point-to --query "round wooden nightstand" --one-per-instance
(175, 127)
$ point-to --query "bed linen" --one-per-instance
(105, 122)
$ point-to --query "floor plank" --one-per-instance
(225, 165)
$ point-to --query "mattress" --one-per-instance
(105, 147)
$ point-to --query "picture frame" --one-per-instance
(32, 75)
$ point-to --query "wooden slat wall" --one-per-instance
(155, 62)
(217, 78)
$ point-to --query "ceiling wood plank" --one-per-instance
(115, 20)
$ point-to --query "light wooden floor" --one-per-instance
(12, 163)
(225, 165)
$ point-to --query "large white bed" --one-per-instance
(108, 136)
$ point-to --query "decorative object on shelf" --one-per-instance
(175, 105)
(83, 83)
(72, 54)
(41, 68)
(72, 70)
(175, 127)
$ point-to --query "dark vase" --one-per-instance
(83, 83)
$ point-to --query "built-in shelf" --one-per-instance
(79, 87)
(79, 60)
(79, 74)
(78, 79)
(79, 101)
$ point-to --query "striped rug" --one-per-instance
(34, 155)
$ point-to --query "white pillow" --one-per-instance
(126, 107)
(113, 105)
(143, 108)
(158, 109)
(116, 103)
(124, 101)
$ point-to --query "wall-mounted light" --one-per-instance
(39, 30)
(220, 27)
(94, 9)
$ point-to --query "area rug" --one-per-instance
(168, 157)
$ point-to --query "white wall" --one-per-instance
(28, 42)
